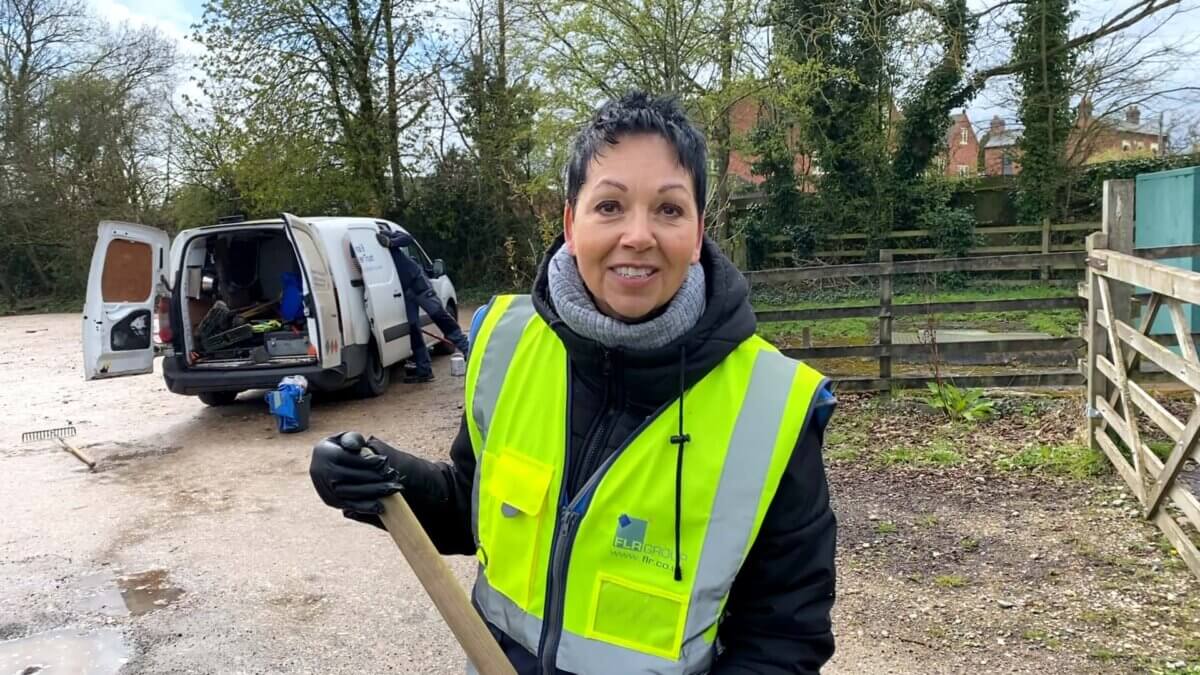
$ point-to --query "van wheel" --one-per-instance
(218, 398)
(375, 378)
(440, 348)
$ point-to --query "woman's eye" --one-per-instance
(608, 208)
(671, 210)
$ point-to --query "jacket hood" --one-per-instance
(652, 376)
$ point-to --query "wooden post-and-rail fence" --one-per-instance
(1120, 228)
(885, 351)
(1115, 391)
(840, 246)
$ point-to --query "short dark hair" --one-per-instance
(639, 113)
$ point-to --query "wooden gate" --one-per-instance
(1115, 391)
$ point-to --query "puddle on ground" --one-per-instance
(79, 652)
(127, 595)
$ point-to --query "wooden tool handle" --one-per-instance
(91, 463)
(443, 588)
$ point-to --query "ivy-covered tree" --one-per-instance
(778, 213)
(926, 117)
(851, 110)
(1041, 40)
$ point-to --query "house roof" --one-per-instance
(952, 132)
(1149, 128)
(1003, 139)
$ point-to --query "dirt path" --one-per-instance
(201, 547)
(997, 547)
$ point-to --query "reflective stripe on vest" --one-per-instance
(614, 597)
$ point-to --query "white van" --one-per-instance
(347, 325)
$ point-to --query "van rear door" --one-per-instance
(128, 264)
(320, 297)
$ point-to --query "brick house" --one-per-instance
(1092, 138)
(1001, 157)
(961, 157)
(744, 118)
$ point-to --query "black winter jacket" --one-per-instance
(777, 618)
(412, 277)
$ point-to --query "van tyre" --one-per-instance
(375, 377)
(441, 347)
(218, 398)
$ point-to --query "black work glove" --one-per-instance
(354, 483)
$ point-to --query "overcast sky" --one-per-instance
(174, 18)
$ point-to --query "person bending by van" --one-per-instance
(418, 295)
(638, 473)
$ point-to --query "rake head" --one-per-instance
(47, 434)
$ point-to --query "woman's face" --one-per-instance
(635, 228)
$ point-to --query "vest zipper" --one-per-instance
(556, 590)
(612, 406)
(569, 518)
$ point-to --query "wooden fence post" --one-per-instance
(1097, 337)
(1046, 246)
(1118, 226)
(885, 323)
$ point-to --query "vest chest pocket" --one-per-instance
(637, 616)
(514, 522)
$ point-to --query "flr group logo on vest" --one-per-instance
(630, 542)
(631, 534)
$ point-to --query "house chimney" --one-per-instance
(997, 125)
(1133, 115)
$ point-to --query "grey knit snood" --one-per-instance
(577, 309)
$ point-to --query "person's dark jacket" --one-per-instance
(777, 619)
(412, 277)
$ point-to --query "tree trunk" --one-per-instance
(393, 125)
(722, 140)
(366, 127)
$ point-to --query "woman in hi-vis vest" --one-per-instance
(638, 474)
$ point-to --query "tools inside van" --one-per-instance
(243, 299)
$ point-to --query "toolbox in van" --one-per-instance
(286, 343)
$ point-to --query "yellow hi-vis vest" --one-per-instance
(589, 584)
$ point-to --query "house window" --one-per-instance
(1141, 145)
(1006, 166)
(1125, 146)
(1154, 148)
(963, 170)
(963, 137)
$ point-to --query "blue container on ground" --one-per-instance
(291, 406)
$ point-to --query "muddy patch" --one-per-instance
(117, 453)
(95, 652)
(301, 606)
(106, 455)
(129, 594)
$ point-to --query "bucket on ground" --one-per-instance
(291, 404)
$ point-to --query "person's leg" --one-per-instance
(443, 320)
(422, 362)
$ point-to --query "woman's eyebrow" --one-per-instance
(608, 181)
(673, 186)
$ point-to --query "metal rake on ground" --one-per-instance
(59, 434)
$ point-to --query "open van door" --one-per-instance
(320, 298)
(127, 265)
(383, 293)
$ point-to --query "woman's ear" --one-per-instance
(699, 238)
(569, 227)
